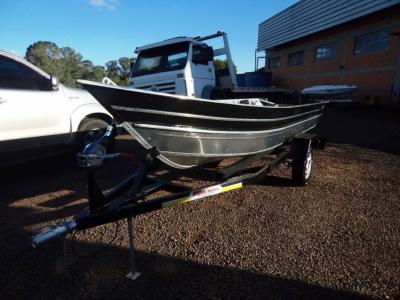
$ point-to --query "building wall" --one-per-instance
(306, 17)
(376, 74)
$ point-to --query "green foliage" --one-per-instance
(113, 70)
(126, 64)
(119, 70)
(45, 55)
(221, 64)
(69, 65)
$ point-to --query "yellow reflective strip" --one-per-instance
(190, 198)
(176, 202)
(231, 187)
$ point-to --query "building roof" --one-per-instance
(309, 16)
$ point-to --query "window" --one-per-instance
(274, 62)
(371, 42)
(15, 75)
(296, 58)
(161, 59)
(326, 51)
(176, 59)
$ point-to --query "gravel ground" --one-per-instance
(338, 237)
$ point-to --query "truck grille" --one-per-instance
(167, 87)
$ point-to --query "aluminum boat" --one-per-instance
(191, 131)
(329, 90)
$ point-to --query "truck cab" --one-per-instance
(185, 66)
(181, 66)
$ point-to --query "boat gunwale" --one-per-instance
(205, 117)
(180, 97)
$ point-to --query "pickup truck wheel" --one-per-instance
(91, 130)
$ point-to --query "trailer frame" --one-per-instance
(127, 199)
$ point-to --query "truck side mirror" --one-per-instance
(210, 53)
(132, 63)
(54, 83)
(202, 55)
(198, 59)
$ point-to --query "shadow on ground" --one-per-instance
(372, 128)
(40, 273)
(42, 192)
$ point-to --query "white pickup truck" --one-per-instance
(39, 116)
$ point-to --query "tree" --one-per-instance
(45, 55)
(88, 67)
(69, 65)
(72, 66)
(65, 63)
(126, 65)
(97, 73)
(221, 64)
(113, 71)
(119, 70)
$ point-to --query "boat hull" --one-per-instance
(190, 132)
(329, 90)
(194, 146)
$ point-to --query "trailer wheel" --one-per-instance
(302, 154)
(91, 130)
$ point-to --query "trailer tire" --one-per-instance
(302, 154)
(89, 131)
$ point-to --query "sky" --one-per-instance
(104, 30)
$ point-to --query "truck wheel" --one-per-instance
(91, 130)
(302, 162)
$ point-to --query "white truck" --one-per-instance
(39, 116)
(185, 66)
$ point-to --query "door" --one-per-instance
(202, 66)
(32, 114)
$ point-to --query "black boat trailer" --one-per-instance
(127, 199)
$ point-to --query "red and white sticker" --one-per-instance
(205, 192)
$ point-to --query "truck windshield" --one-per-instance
(161, 59)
